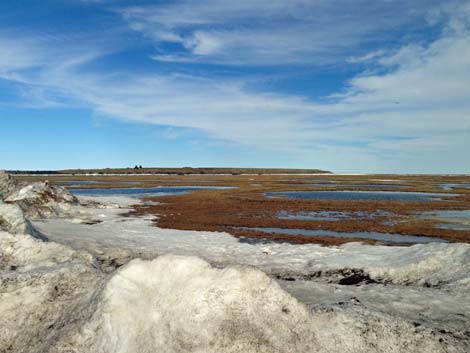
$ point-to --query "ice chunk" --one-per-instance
(41, 200)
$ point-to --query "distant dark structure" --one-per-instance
(177, 171)
(33, 172)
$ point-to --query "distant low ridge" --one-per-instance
(179, 171)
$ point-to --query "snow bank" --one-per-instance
(41, 200)
(45, 288)
(22, 252)
(182, 304)
(23, 248)
(52, 299)
(45, 291)
(422, 264)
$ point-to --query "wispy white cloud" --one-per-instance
(367, 58)
(411, 114)
(17, 55)
(272, 32)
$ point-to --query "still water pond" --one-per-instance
(332, 215)
(141, 192)
(450, 186)
(355, 186)
(359, 195)
(385, 237)
(451, 219)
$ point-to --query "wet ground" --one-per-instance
(145, 191)
(382, 237)
(334, 208)
(451, 186)
(453, 219)
(354, 186)
(361, 195)
(332, 215)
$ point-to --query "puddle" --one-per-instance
(385, 237)
(315, 180)
(182, 181)
(454, 226)
(450, 186)
(332, 215)
(153, 191)
(460, 214)
(355, 186)
(315, 185)
(452, 219)
(374, 186)
(360, 195)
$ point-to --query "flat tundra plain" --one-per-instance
(178, 273)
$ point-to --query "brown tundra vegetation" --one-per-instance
(246, 206)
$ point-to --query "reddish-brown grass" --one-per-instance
(245, 205)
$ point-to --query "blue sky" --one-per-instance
(347, 85)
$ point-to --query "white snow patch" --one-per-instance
(422, 264)
(181, 304)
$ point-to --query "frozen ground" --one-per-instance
(426, 284)
(85, 291)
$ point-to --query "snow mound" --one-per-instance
(45, 290)
(178, 304)
(7, 184)
(182, 304)
(432, 264)
(23, 253)
(44, 287)
(42, 200)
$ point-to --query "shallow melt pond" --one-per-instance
(459, 214)
(452, 219)
(450, 186)
(385, 237)
(153, 191)
(355, 186)
(360, 195)
(331, 215)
